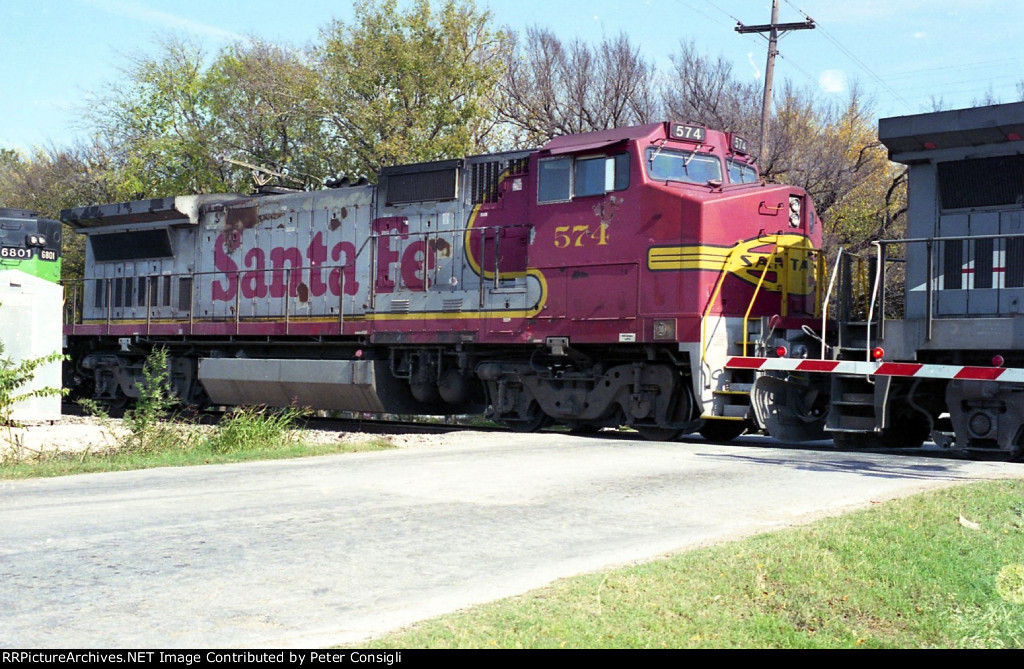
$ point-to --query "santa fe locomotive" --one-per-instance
(600, 280)
(950, 366)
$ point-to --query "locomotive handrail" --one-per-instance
(880, 265)
(757, 291)
(717, 291)
(930, 251)
(78, 316)
(828, 296)
(105, 312)
(877, 294)
(957, 238)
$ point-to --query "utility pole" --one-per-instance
(774, 30)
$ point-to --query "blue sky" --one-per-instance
(903, 53)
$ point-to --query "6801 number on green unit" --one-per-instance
(30, 244)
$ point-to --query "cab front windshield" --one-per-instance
(685, 166)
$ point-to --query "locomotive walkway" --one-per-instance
(331, 550)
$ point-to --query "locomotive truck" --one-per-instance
(602, 279)
(951, 366)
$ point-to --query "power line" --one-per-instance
(792, 63)
(852, 56)
(698, 11)
(716, 7)
(751, 37)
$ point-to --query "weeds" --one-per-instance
(153, 435)
(14, 377)
(251, 428)
(148, 429)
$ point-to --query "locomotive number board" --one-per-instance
(22, 253)
(689, 133)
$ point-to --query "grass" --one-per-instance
(241, 436)
(939, 570)
(50, 464)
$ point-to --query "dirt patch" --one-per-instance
(70, 433)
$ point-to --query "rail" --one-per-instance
(782, 278)
(827, 299)
(757, 291)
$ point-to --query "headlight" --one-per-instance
(794, 211)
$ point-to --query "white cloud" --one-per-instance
(133, 9)
(920, 35)
(832, 81)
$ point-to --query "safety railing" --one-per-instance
(242, 296)
(963, 275)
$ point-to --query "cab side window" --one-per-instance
(562, 179)
(555, 180)
(590, 176)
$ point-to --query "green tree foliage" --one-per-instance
(408, 86)
(158, 128)
(433, 80)
(264, 96)
(169, 126)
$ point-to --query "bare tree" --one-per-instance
(705, 91)
(551, 88)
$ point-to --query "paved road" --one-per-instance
(329, 550)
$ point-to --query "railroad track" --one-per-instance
(443, 426)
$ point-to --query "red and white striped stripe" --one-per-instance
(905, 369)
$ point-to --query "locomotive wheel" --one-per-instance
(534, 422)
(856, 440)
(722, 430)
(909, 433)
(117, 406)
(658, 433)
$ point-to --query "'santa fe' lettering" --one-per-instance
(264, 273)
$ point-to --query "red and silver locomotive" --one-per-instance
(603, 279)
